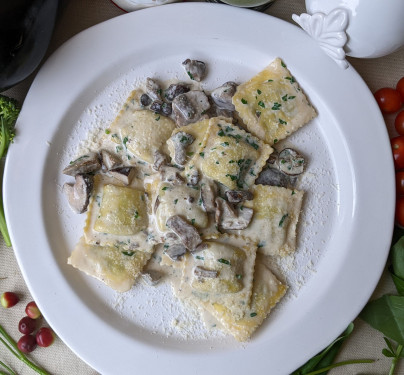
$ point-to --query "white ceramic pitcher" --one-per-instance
(372, 28)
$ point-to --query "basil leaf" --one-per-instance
(398, 282)
(386, 314)
(397, 257)
(327, 356)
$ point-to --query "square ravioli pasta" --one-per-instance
(266, 293)
(118, 216)
(276, 214)
(272, 105)
(230, 155)
(142, 132)
(221, 272)
(113, 266)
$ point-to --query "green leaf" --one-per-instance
(397, 234)
(389, 344)
(327, 356)
(386, 314)
(388, 353)
(397, 257)
(398, 282)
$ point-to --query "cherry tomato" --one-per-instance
(399, 123)
(397, 146)
(389, 100)
(400, 88)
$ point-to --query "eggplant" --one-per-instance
(26, 27)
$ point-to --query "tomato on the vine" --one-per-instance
(400, 211)
(397, 146)
(399, 123)
(389, 100)
(400, 183)
(400, 88)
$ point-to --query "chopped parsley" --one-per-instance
(276, 106)
(224, 261)
(243, 101)
(283, 219)
(261, 104)
(202, 154)
(128, 253)
(282, 122)
(253, 314)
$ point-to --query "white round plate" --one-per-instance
(345, 227)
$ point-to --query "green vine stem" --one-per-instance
(339, 364)
(395, 359)
(12, 346)
(7, 368)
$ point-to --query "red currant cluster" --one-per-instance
(44, 336)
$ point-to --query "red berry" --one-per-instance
(9, 299)
(45, 337)
(27, 343)
(32, 310)
(27, 325)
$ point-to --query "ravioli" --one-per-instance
(197, 130)
(276, 214)
(180, 200)
(229, 263)
(115, 267)
(272, 105)
(117, 216)
(142, 132)
(230, 155)
(267, 292)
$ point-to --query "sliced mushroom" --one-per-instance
(175, 251)
(200, 247)
(124, 174)
(208, 196)
(190, 107)
(156, 204)
(187, 233)
(228, 218)
(145, 100)
(181, 141)
(153, 89)
(171, 175)
(78, 195)
(88, 163)
(222, 96)
(151, 277)
(174, 90)
(161, 108)
(195, 69)
(159, 160)
(291, 162)
(237, 196)
(109, 160)
(215, 111)
(193, 178)
(203, 273)
(274, 177)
